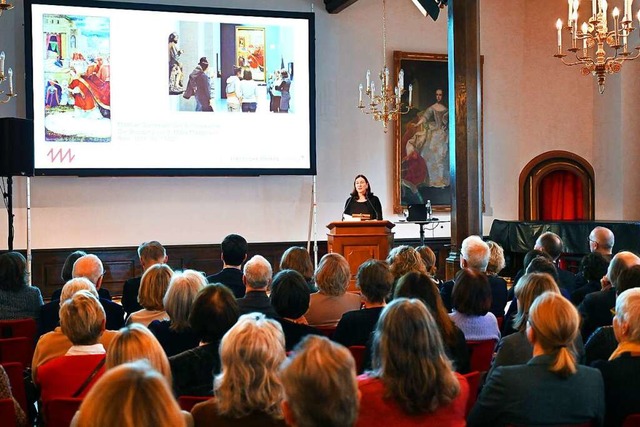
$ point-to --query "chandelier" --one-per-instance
(595, 36)
(385, 105)
(3, 77)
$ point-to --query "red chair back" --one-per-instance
(327, 331)
(14, 372)
(473, 378)
(19, 328)
(481, 354)
(16, 350)
(60, 412)
(632, 420)
(357, 351)
(7, 413)
(587, 424)
(188, 402)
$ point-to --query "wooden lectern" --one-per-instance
(359, 241)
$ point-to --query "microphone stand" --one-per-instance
(9, 197)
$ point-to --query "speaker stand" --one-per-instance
(8, 196)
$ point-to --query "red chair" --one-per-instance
(7, 413)
(587, 424)
(60, 412)
(19, 328)
(16, 350)
(188, 402)
(500, 320)
(473, 378)
(481, 354)
(327, 331)
(357, 351)
(632, 420)
(14, 372)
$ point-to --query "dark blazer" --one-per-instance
(621, 387)
(193, 370)
(595, 310)
(577, 296)
(256, 301)
(530, 395)
(498, 295)
(173, 342)
(295, 332)
(567, 280)
(231, 278)
(356, 326)
(50, 317)
(130, 291)
(601, 345)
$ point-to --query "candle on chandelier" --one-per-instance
(401, 80)
(585, 28)
(639, 17)
(368, 78)
(360, 97)
(616, 15)
(411, 92)
(594, 7)
(570, 12)
(574, 30)
(10, 72)
(604, 5)
(2, 63)
(559, 28)
(386, 77)
(373, 90)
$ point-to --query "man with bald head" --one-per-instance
(90, 267)
(596, 307)
(551, 244)
(601, 240)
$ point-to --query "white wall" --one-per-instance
(532, 104)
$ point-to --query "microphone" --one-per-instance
(372, 207)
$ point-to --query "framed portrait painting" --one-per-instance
(421, 150)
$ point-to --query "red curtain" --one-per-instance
(560, 197)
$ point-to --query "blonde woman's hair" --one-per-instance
(154, 285)
(428, 258)
(136, 342)
(409, 357)
(403, 260)
(496, 259)
(82, 318)
(332, 275)
(555, 322)
(251, 353)
(75, 285)
(183, 289)
(131, 395)
(528, 288)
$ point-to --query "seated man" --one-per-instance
(552, 244)
(149, 253)
(257, 277)
(55, 344)
(82, 320)
(234, 253)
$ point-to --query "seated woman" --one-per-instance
(551, 389)
(247, 390)
(412, 381)
(593, 267)
(332, 299)
(130, 395)
(404, 259)
(175, 335)
(429, 260)
(374, 281)
(471, 298)
(82, 320)
(516, 349)
(620, 373)
(18, 300)
(297, 258)
(153, 287)
(422, 287)
(214, 312)
(290, 299)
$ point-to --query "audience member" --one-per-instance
(602, 342)
(214, 312)
(475, 255)
(471, 303)
(496, 258)
(90, 267)
(593, 267)
(374, 280)
(332, 299)
(131, 395)
(601, 240)
(412, 381)
(82, 320)
(233, 253)
(5, 393)
(404, 259)
(596, 306)
(297, 258)
(153, 288)
(620, 373)
(516, 349)
(17, 299)
(290, 299)
(320, 385)
(67, 274)
(256, 278)
(247, 391)
(422, 287)
(551, 389)
(175, 335)
(429, 259)
(552, 244)
(528, 257)
(55, 343)
(149, 253)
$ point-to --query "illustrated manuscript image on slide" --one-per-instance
(77, 78)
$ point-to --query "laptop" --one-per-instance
(417, 212)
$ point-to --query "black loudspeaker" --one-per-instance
(16, 147)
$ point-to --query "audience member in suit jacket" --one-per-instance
(149, 253)
(257, 277)
(233, 253)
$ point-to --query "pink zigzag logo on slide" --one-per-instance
(59, 154)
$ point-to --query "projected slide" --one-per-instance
(117, 90)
